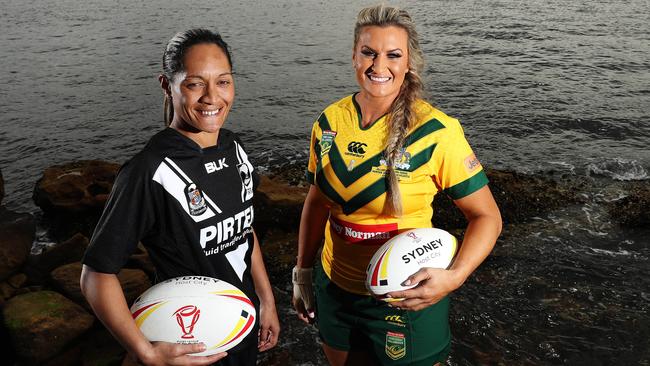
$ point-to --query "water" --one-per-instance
(547, 87)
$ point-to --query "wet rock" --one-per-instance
(70, 356)
(10, 287)
(299, 343)
(43, 323)
(18, 232)
(69, 251)
(280, 357)
(2, 187)
(73, 195)
(6, 291)
(633, 210)
(280, 250)
(101, 349)
(134, 282)
(17, 281)
(278, 205)
(77, 187)
(520, 197)
(66, 278)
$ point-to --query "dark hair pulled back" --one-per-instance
(172, 61)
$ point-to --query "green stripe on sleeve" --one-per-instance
(309, 176)
(468, 186)
(323, 123)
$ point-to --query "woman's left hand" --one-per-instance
(269, 328)
(433, 285)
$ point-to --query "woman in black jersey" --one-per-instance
(187, 196)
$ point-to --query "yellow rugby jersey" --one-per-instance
(346, 163)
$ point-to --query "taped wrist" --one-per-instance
(301, 276)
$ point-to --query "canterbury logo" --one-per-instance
(394, 318)
(357, 147)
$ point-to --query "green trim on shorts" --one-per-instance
(348, 322)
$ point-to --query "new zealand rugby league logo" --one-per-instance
(195, 200)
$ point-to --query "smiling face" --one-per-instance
(380, 61)
(202, 93)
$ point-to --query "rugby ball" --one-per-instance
(405, 254)
(195, 309)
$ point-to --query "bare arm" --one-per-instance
(104, 294)
(269, 323)
(315, 213)
(482, 231)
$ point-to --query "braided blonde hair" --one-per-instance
(401, 116)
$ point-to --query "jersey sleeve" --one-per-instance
(457, 171)
(314, 153)
(128, 216)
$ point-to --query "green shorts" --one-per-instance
(351, 322)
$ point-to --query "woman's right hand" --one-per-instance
(168, 354)
(303, 294)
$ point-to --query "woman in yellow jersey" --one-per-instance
(377, 158)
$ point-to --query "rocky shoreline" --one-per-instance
(46, 320)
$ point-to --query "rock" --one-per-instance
(66, 278)
(101, 349)
(70, 356)
(520, 197)
(134, 282)
(43, 323)
(278, 205)
(18, 232)
(143, 262)
(78, 187)
(17, 281)
(6, 291)
(632, 210)
(2, 187)
(10, 287)
(280, 250)
(69, 251)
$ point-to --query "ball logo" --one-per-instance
(414, 237)
(186, 317)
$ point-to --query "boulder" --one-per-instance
(632, 210)
(66, 278)
(9, 288)
(75, 188)
(43, 323)
(39, 266)
(18, 232)
(278, 205)
(17, 281)
(520, 197)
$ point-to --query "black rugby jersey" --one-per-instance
(190, 207)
